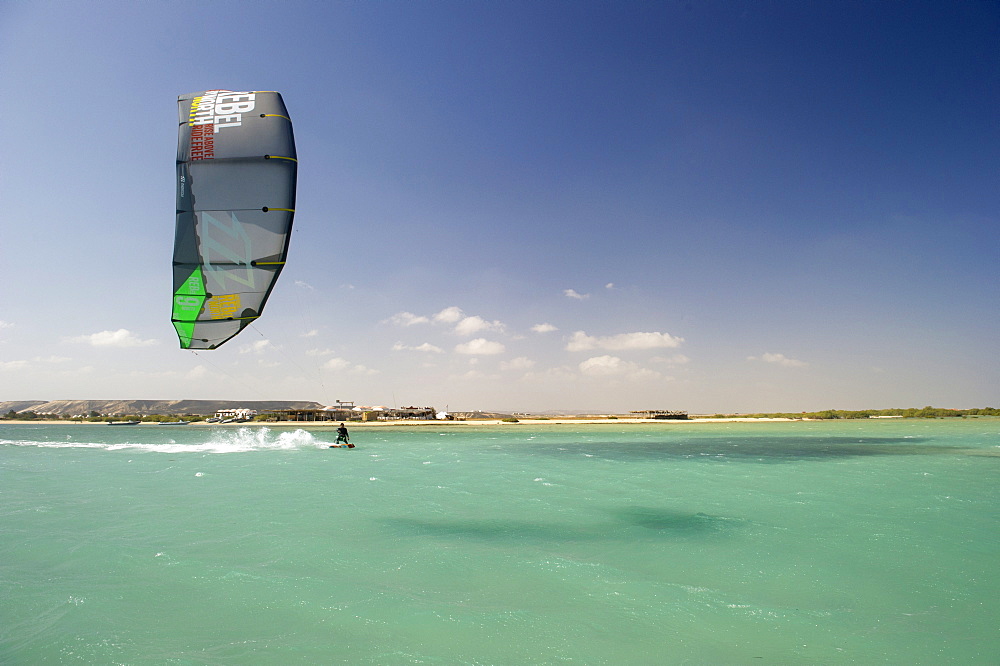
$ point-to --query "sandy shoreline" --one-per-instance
(442, 423)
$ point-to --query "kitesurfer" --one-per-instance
(343, 436)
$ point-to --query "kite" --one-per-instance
(236, 171)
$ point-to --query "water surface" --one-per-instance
(802, 542)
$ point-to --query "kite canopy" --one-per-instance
(236, 169)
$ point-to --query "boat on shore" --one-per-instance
(123, 422)
(175, 422)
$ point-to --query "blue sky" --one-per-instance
(593, 206)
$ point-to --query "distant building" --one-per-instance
(238, 414)
(307, 415)
(381, 413)
(661, 414)
(341, 411)
(348, 411)
(413, 413)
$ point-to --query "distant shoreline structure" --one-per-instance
(304, 412)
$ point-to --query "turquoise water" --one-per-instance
(787, 543)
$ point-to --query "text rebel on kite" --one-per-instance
(213, 109)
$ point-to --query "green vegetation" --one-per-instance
(510, 420)
(909, 413)
(25, 416)
(94, 417)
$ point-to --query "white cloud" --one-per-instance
(464, 325)
(197, 372)
(780, 359)
(5, 324)
(474, 324)
(573, 293)
(580, 341)
(407, 319)
(304, 285)
(13, 365)
(337, 364)
(602, 365)
(605, 366)
(472, 374)
(320, 352)
(560, 374)
(676, 359)
(311, 334)
(120, 338)
(256, 347)
(519, 363)
(610, 285)
(343, 365)
(543, 328)
(449, 315)
(425, 347)
(480, 347)
(51, 359)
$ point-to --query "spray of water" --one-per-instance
(258, 439)
(240, 440)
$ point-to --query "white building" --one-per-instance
(239, 414)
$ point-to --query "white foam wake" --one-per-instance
(240, 440)
(248, 439)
